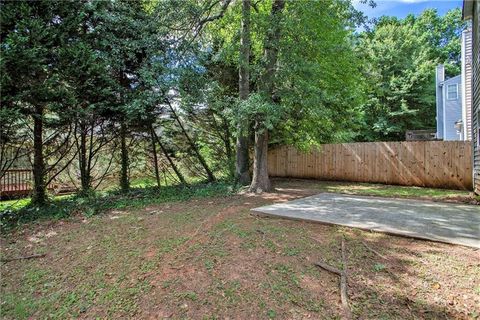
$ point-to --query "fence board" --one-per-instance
(441, 164)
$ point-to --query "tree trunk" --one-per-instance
(260, 181)
(39, 187)
(172, 164)
(201, 159)
(155, 158)
(124, 182)
(242, 173)
(229, 152)
(82, 159)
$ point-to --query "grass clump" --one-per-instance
(393, 191)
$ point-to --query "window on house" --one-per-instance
(452, 92)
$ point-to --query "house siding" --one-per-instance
(467, 83)
(452, 110)
(476, 96)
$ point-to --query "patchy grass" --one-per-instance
(206, 257)
(381, 190)
(14, 204)
(17, 212)
(18, 204)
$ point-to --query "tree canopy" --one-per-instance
(187, 90)
(399, 57)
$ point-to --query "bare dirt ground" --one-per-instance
(211, 259)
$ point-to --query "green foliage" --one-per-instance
(315, 56)
(88, 68)
(96, 203)
(258, 106)
(379, 267)
(34, 42)
(271, 314)
(443, 34)
(318, 79)
(399, 59)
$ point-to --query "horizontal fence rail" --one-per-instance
(19, 183)
(440, 164)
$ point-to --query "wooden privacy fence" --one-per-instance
(441, 164)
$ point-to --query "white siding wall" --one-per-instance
(476, 95)
(467, 83)
(452, 110)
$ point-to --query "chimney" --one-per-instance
(439, 78)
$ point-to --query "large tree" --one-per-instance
(130, 42)
(85, 68)
(34, 35)
(299, 53)
(260, 179)
(242, 173)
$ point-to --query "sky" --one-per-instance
(401, 8)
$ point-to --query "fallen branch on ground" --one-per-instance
(343, 280)
(315, 239)
(329, 268)
(33, 256)
(343, 283)
(374, 251)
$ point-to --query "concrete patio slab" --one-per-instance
(445, 222)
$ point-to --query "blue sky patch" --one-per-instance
(401, 8)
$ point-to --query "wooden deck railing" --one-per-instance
(16, 182)
(19, 183)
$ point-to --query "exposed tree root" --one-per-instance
(329, 268)
(374, 251)
(33, 256)
(343, 280)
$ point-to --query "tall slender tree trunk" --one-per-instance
(260, 180)
(124, 182)
(82, 159)
(155, 158)
(194, 147)
(39, 187)
(242, 173)
(169, 159)
(229, 152)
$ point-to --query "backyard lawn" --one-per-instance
(382, 190)
(208, 258)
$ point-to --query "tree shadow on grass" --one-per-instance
(419, 279)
